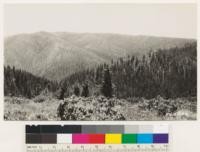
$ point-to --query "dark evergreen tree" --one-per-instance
(85, 91)
(106, 89)
(62, 93)
(76, 91)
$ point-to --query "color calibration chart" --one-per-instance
(97, 138)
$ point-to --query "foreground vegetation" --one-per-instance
(99, 108)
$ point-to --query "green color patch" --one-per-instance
(129, 138)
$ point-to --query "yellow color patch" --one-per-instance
(113, 139)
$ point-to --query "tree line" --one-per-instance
(21, 83)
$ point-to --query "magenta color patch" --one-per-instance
(80, 139)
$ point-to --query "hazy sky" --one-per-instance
(170, 20)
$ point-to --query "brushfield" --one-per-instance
(99, 108)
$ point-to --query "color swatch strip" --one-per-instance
(97, 138)
(96, 135)
(96, 129)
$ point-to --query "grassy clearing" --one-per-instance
(25, 109)
(93, 108)
(133, 113)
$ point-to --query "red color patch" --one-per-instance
(97, 138)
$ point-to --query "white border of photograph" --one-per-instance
(12, 133)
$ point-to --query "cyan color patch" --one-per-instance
(145, 138)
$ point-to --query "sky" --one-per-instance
(166, 20)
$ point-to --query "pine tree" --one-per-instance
(106, 89)
(85, 92)
(62, 93)
(76, 91)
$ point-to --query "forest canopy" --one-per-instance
(170, 73)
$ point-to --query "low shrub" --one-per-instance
(99, 108)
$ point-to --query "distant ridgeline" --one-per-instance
(169, 73)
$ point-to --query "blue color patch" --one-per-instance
(145, 138)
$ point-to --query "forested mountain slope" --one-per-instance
(170, 73)
(60, 54)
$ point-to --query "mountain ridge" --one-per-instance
(59, 54)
